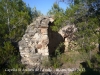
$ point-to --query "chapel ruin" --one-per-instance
(39, 41)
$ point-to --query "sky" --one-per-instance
(44, 5)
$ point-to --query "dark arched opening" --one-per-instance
(54, 40)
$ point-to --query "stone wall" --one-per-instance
(34, 44)
(67, 32)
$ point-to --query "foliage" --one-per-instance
(14, 18)
(76, 73)
(57, 12)
(84, 14)
(46, 63)
(55, 62)
(95, 61)
(35, 13)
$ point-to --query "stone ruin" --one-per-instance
(39, 41)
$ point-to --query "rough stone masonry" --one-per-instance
(39, 41)
(34, 44)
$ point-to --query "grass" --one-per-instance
(70, 59)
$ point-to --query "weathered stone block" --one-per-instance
(39, 46)
(46, 54)
(44, 31)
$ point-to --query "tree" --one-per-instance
(35, 13)
(84, 14)
(16, 15)
(58, 13)
(14, 18)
